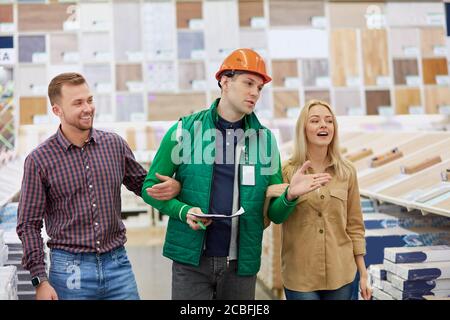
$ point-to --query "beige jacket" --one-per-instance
(322, 236)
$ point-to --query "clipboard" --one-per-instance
(218, 216)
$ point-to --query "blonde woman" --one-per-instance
(323, 239)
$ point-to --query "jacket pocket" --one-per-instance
(338, 205)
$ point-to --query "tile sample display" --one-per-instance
(249, 11)
(285, 100)
(406, 71)
(323, 95)
(95, 17)
(222, 33)
(158, 30)
(433, 42)
(436, 97)
(282, 46)
(191, 75)
(32, 49)
(191, 45)
(130, 107)
(31, 107)
(99, 77)
(285, 73)
(432, 68)
(127, 44)
(363, 15)
(32, 80)
(346, 100)
(64, 48)
(315, 73)
(187, 13)
(294, 13)
(161, 76)
(95, 47)
(404, 42)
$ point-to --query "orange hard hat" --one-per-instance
(244, 60)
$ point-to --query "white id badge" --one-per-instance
(248, 175)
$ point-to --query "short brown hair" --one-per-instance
(54, 88)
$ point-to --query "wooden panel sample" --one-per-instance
(375, 55)
(404, 68)
(405, 98)
(61, 45)
(186, 11)
(431, 38)
(323, 95)
(343, 57)
(189, 72)
(127, 43)
(358, 155)
(404, 42)
(433, 67)
(249, 9)
(436, 96)
(42, 17)
(282, 69)
(126, 73)
(174, 106)
(340, 13)
(6, 13)
(421, 165)
(284, 100)
(29, 107)
(312, 70)
(291, 13)
(346, 100)
(375, 99)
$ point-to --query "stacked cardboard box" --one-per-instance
(410, 273)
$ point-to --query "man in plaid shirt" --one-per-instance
(73, 182)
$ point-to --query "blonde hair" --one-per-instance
(341, 166)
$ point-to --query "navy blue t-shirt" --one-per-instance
(218, 233)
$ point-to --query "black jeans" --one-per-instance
(212, 279)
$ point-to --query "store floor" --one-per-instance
(153, 271)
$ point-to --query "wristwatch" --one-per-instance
(35, 281)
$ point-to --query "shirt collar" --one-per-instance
(66, 144)
(224, 124)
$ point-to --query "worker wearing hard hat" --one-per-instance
(224, 159)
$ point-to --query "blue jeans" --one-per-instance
(91, 276)
(343, 293)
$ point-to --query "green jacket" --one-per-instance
(182, 244)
